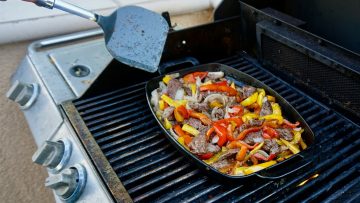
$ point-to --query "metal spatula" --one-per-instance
(133, 35)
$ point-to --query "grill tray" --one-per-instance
(153, 171)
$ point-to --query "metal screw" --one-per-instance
(79, 71)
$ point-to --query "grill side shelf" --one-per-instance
(110, 178)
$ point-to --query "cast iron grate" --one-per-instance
(153, 171)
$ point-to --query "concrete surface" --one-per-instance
(20, 179)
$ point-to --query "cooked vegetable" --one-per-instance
(236, 130)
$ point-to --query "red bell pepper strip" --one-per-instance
(238, 111)
(254, 160)
(240, 156)
(239, 143)
(179, 131)
(270, 131)
(266, 136)
(219, 88)
(205, 156)
(191, 77)
(202, 117)
(187, 139)
(291, 125)
(209, 132)
(263, 158)
(247, 131)
(221, 83)
(221, 133)
(226, 121)
(230, 134)
(183, 111)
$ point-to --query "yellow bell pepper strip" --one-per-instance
(240, 156)
(188, 128)
(239, 170)
(294, 149)
(166, 79)
(302, 144)
(253, 151)
(214, 158)
(250, 100)
(233, 85)
(260, 97)
(297, 137)
(215, 103)
(171, 102)
(270, 98)
(181, 140)
(158, 114)
(219, 88)
(193, 89)
(161, 105)
(202, 117)
(258, 167)
(167, 124)
(278, 142)
(179, 131)
(248, 116)
(178, 117)
(181, 113)
(279, 118)
(276, 109)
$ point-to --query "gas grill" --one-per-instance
(112, 142)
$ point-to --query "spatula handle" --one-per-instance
(65, 6)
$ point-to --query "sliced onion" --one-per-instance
(198, 81)
(262, 152)
(173, 134)
(226, 115)
(297, 129)
(215, 139)
(230, 110)
(174, 75)
(179, 95)
(264, 99)
(155, 98)
(218, 97)
(258, 139)
(215, 75)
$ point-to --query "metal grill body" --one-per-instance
(153, 171)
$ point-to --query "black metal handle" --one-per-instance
(284, 168)
(166, 66)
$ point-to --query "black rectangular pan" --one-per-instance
(279, 170)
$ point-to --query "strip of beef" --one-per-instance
(254, 137)
(266, 109)
(168, 113)
(213, 148)
(199, 106)
(221, 164)
(255, 123)
(243, 127)
(248, 90)
(198, 145)
(198, 125)
(271, 146)
(217, 114)
(188, 91)
(229, 153)
(173, 86)
(285, 133)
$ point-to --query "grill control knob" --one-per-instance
(69, 183)
(49, 154)
(63, 183)
(23, 93)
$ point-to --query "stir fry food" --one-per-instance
(237, 130)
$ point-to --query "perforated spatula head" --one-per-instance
(135, 36)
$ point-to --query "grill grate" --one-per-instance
(153, 171)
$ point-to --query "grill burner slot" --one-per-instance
(153, 171)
